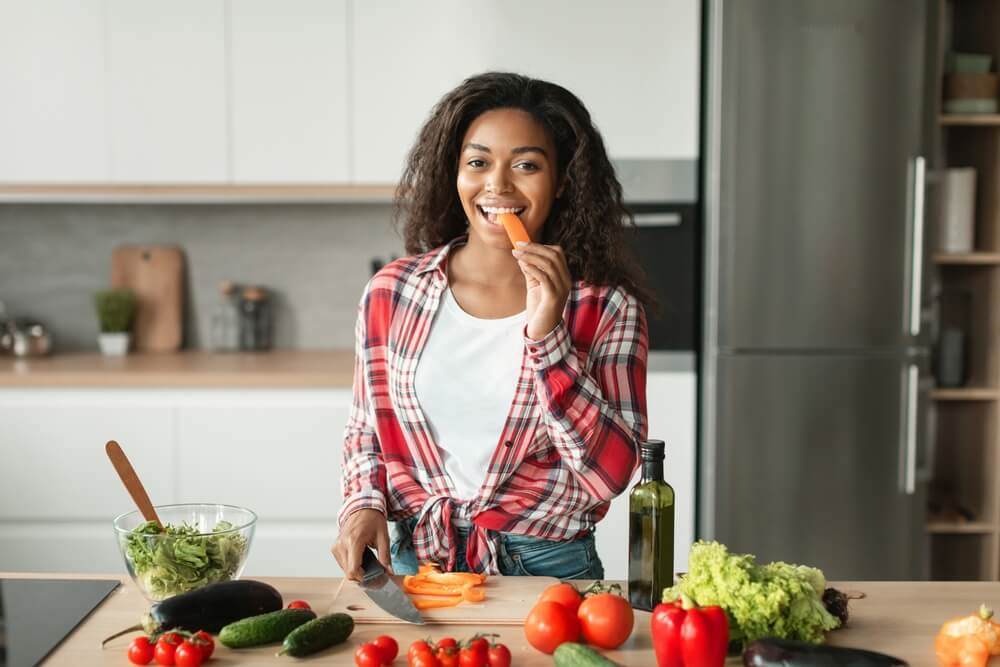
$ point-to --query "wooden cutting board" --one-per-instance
(156, 274)
(508, 600)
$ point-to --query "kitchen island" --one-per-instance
(900, 618)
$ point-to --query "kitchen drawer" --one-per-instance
(276, 452)
(52, 448)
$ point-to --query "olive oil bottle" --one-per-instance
(650, 530)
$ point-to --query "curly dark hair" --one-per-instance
(588, 220)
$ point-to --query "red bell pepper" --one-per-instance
(685, 635)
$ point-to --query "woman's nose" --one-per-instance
(498, 182)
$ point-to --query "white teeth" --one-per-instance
(494, 210)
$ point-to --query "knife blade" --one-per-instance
(384, 592)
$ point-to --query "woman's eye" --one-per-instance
(476, 163)
(526, 166)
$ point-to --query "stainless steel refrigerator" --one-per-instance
(814, 405)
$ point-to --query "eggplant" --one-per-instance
(209, 608)
(772, 652)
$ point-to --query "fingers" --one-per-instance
(382, 548)
(550, 260)
(538, 275)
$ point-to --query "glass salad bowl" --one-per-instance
(201, 544)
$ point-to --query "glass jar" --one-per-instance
(225, 325)
(255, 319)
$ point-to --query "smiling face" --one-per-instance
(507, 163)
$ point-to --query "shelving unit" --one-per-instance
(964, 519)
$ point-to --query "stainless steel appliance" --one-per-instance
(814, 411)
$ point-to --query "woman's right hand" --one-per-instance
(360, 530)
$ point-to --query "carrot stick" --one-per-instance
(514, 227)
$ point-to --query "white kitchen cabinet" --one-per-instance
(53, 114)
(54, 465)
(289, 91)
(634, 65)
(167, 91)
(276, 451)
(671, 399)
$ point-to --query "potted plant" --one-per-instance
(115, 311)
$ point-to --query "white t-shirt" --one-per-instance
(465, 383)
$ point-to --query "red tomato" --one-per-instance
(470, 657)
(164, 651)
(447, 642)
(499, 656)
(480, 645)
(140, 651)
(565, 594)
(368, 655)
(205, 643)
(419, 646)
(549, 624)
(299, 604)
(447, 656)
(606, 620)
(387, 648)
(187, 655)
(424, 659)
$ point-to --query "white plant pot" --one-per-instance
(114, 344)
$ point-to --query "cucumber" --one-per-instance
(571, 654)
(264, 629)
(317, 635)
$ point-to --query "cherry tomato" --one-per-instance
(549, 624)
(424, 659)
(140, 651)
(368, 655)
(470, 657)
(480, 645)
(606, 620)
(299, 604)
(565, 594)
(419, 646)
(499, 656)
(165, 649)
(205, 643)
(447, 656)
(447, 642)
(387, 648)
(187, 655)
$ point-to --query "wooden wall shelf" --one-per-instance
(181, 193)
(967, 259)
(970, 119)
(960, 528)
(966, 394)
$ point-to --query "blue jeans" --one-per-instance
(519, 555)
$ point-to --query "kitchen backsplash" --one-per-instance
(316, 258)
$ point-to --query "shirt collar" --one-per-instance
(436, 260)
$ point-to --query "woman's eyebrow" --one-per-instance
(475, 147)
(529, 149)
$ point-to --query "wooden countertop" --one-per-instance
(899, 618)
(275, 368)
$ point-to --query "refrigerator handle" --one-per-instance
(912, 385)
(916, 263)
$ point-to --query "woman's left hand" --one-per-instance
(548, 281)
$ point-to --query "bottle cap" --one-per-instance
(254, 293)
(651, 450)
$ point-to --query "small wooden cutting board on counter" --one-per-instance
(508, 600)
(156, 274)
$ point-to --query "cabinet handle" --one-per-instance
(910, 430)
(657, 219)
(916, 244)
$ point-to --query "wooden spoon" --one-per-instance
(131, 482)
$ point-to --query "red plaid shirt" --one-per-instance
(569, 444)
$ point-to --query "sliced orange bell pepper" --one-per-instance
(432, 603)
(443, 589)
(968, 641)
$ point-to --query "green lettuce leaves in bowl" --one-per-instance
(180, 558)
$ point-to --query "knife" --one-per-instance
(384, 592)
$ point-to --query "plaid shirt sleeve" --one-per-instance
(596, 415)
(363, 475)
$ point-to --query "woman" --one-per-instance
(499, 392)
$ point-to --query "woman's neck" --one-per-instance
(479, 263)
